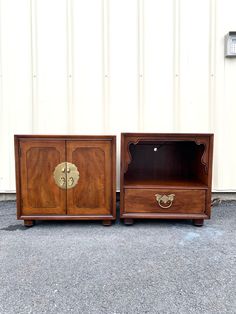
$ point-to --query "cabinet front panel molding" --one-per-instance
(39, 193)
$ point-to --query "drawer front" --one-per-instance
(164, 201)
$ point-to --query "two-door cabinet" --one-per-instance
(65, 178)
(166, 176)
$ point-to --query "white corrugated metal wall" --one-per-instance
(107, 66)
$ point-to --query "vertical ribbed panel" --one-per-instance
(33, 40)
(70, 59)
(16, 87)
(88, 66)
(52, 70)
(108, 66)
(225, 99)
(194, 66)
(141, 64)
(160, 85)
(176, 65)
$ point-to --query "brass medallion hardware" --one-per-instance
(165, 201)
(60, 175)
(73, 175)
(66, 175)
(70, 181)
(62, 182)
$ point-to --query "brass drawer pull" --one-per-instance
(165, 199)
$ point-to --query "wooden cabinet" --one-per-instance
(65, 177)
(166, 176)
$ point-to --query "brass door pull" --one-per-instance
(60, 175)
(165, 201)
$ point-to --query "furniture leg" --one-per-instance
(198, 222)
(107, 223)
(128, 221)
(28, 223)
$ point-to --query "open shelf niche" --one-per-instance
(180, 164)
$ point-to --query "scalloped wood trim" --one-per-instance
(128, 157)
(204, 159)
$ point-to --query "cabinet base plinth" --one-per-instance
(28, 223)
(107, 223)
(198, 222)
(128, 221)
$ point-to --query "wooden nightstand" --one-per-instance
(65, 178)
(166, 176)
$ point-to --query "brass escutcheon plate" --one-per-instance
(66, 175)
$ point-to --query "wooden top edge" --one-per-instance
(56, 136)
(167, 134)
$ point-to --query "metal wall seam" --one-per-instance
(212, 81)
(106, 63)
(141, 64)
(1, 86)
(70, 36)
(5, 178)
(33, 17)
(1, 100)
(212, 63)
(176, 63)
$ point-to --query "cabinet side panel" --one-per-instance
(17, 176)
(210, 162)
(122, 165)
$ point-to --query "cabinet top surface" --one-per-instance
(169, 135)
(85, 137)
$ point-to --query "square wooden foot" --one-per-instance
(28, 223)
(128, 221)
(107, 223)
(198, 222)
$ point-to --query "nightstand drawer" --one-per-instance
(164, 201)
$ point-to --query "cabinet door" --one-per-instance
(93, 192)
(39, 193)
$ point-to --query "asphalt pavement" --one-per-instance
(150, 267)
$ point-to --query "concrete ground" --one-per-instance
(150, 267)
